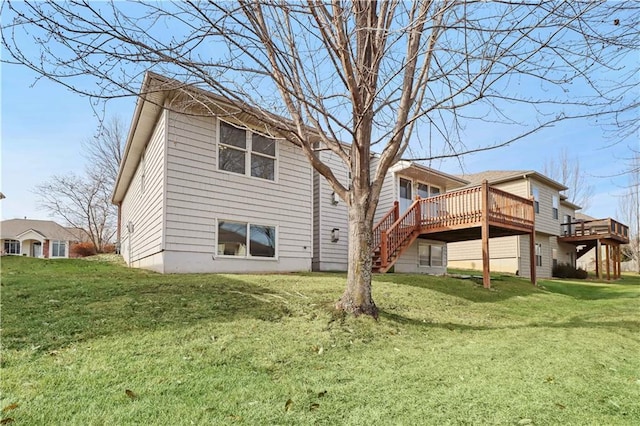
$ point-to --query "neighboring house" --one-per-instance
(403, 183)
(559, 236)
(199, 192)
(512, 253)
(36, 238)
(598, 244)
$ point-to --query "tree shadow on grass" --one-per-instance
(58, 309)
(503, 287)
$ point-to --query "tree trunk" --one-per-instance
(357, 299)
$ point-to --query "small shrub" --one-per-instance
(565, 270)
(109, 248)
(82, 249)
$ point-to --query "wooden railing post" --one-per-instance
(383, 249)
(418, 215)
(396, 210)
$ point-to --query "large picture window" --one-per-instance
(58, 248)
(239, 153)
(430, 255)
(235, 237)
(12, 246)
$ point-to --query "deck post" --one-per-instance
(532, 256)
(486, 277)
(418, 214)
(383, 248)
(598, 256)
(396, 210)
(607, 251)
(619, 261)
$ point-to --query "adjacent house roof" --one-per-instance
(12, 228)
(436, 177)
(500, 176)
(582, 216)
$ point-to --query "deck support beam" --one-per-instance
(608, 251)
(598, 257)
(486, 276)
(532, 257)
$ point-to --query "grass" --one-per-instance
(94, 343)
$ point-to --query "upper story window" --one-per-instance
(426, 191)
(243, 152)
(536, 199)
(555, 207)
(12, 247)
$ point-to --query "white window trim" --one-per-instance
(247, 256)
(11, 240)
(442, 246)
(66, 248)
(248, 151)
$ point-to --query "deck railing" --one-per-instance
(597, 227)
(385, 223)
(456, 209)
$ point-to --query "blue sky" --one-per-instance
(43, 126)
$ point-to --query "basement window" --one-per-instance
(430, 255)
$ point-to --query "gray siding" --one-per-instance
(144, 209)
(198, 195)
(330, 255)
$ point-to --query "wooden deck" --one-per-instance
(588, 230)
(479, 212)
(594, 234)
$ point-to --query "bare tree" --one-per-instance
(568, 172)
(104, 151)
(83, 202)
(629, 211)
(370, 74)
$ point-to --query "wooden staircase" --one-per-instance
(466, 214)
(394, 234)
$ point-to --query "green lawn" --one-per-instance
(93, 343)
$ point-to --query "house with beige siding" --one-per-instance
(512, 253)
(199, 191)
(404, 182)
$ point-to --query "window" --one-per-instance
(235, 237)
(423, 190)
(536, 199)
(555, 207)
(58, 249)
(12, 246)
(566, 226)
(426, 191)
(430, 255)
(237, 153)
(538, 254)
